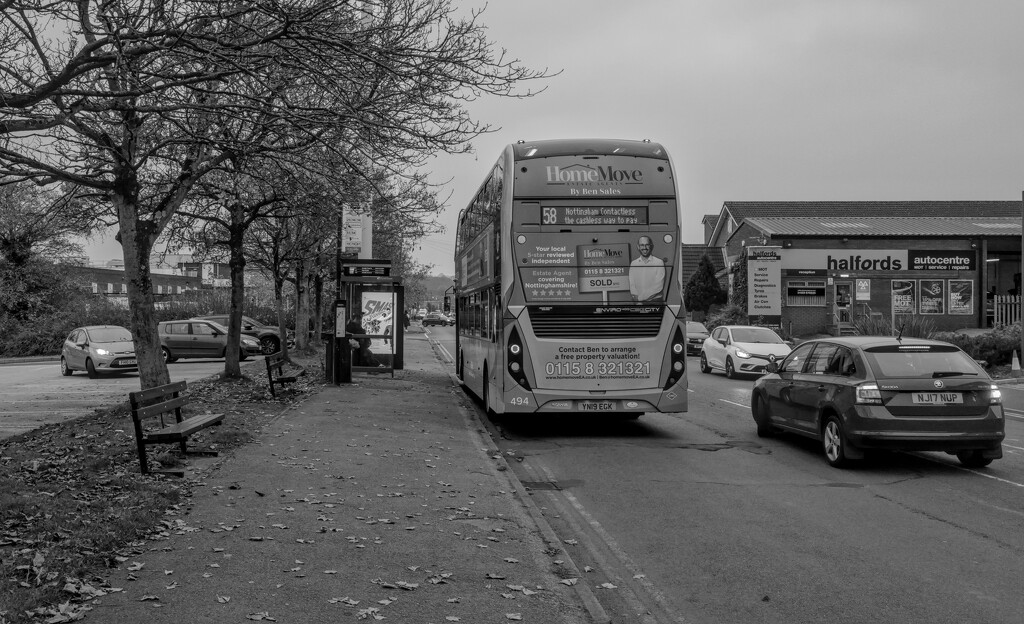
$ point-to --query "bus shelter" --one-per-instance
(368, 329)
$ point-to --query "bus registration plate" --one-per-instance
(596, 406)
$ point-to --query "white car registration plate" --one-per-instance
(596, 406)
(938, 398)
(124, 362)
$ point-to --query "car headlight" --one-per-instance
(740, 353)
(102, 352)
(250, 342)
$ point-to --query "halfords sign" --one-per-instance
(888, 260)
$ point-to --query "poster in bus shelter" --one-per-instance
(961, 296)
(904, 296)
(932, 298)
(378, 310)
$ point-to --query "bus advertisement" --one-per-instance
(568, 288)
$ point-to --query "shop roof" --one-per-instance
(743, 210)
(897, 226)
(734, 213)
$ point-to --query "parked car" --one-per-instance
(435, 318)
(198, 338)
(268, 336)
(420, 314)
(741, 350)
(98, 349)
(696, 333)
(870, 392)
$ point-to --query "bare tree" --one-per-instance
(129, 97)
(40, 222)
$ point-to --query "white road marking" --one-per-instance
(734, 403)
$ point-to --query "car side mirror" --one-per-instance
(247, 326)
(773, 367)
(723, 341)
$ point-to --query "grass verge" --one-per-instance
(73, 502)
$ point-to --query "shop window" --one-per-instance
(805, 293)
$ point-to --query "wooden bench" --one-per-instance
(160, 402)
(275, 361)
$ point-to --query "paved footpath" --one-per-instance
(379, 500)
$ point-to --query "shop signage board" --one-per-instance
(932, 296)
(904, 296)
(961, 296)
(863, 290)
(764, 285)
(888, 260)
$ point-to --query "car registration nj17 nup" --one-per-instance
(938, 398)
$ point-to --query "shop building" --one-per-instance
(822, 265)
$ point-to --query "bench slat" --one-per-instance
(141, 396)
(185, 428)
(140, 413)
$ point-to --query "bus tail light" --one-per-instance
(514, 359)
(678, 356)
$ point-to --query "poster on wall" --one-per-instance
(932, 296)
(904, 300)
(961, 296)
(378, 310)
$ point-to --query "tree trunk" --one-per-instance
(136, 245)
(301, 306)
(282, 327)
(236, 261)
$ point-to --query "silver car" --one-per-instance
(98, 349)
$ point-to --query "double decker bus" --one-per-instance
(568, 289)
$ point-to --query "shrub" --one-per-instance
(907, 325)
(994, 348)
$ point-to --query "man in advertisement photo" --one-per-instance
(646, 273)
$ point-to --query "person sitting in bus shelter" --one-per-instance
(361, 354)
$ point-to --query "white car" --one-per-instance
(741, 350)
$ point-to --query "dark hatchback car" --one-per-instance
(876, 392)
(198, 338)
(268, 336)
(696, 333)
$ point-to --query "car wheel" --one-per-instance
(704, 368)
(91, 369)
(834, 442)
(761, 418)
(973, 459)
(730, 371)
(167, 355)
(64, 368)
(270, 345)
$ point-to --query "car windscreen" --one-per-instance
(693, 327)
(755, 334)
(110, 334)
(925, 361)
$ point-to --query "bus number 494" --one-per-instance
(519, 401)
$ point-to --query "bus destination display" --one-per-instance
(594, 215)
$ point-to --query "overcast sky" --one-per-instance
(766, 100)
